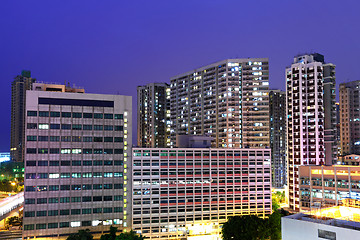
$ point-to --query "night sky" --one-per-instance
(112, 46)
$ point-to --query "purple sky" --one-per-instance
(114, 45)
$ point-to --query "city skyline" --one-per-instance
(109, 43)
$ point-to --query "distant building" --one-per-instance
(341, 222)
(153, 115)
(188, 193)
(311, 117)
(19, 86)
(324, 186)
(352, 159)
(350, 117)
(76, 159)
(193, 141)
(278, 133)
(227, 100)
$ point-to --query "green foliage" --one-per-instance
(129, 236)
(251, 227)
(111, 235)
(277, 198)
(81, 235)
(123, 236)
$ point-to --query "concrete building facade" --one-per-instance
(349, 117)
(277, 105)
(227, 99)
(311, 117)
(19, 86)
(76, 158)
(153, 115)
(187, 193)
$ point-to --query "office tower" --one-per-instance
(153, 115)
(277, 105)
(311, 117)
(19, 86)
(76, 163)
(227, 99)
(350, 117)
(188, 193)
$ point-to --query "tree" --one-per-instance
(129, 236)
(249, 227)
(274, 225)
(111, 235)
(81, 235)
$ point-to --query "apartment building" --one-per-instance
(227, 100)
(153, 115)
(349, 117)
(187, 193)
(277, 104)
(311, 117)
(76, 158)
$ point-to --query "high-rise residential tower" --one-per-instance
(311, 117)
(153, 115)
(76, 163)
(227, 100)
(19, 86)
(277, 104)
(350, 117)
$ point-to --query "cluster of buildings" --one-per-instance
(211, 144)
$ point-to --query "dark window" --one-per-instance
(53, 212)
(43, 163)
(108, 139)
(54, 138)
(32, 126)
(98, 139)
(98, 127)
(76, 139)
(87, 115)
(118, 151)
(29, 189)
(53, 188)
(30, 201)
(76, 163)
(54, 151)
(54, 114)
(76, 127)
(98, 151)
(54, 163)
(65, 187)
(66, 139)
(108, 116)
(66, 114)
(87, 127)
(108, 162)
(107, 210)
(43, 150)
(31, 113)
(31, 138)
(86, 211)
(118, 139)
(75, 211)
(97, 210)
(118, 163)
(76, 102)
(87, 163)
(87, 151)
(77, 115)
(108, 151)
(87, 139)
(75, 187)
(31, 150)
(108, 186)
(53, 200)
(107, 198)
(65, 126)
(43, 114)
(30, 214)
(118, 209)
(64, 212)
(86, 187)
(98, 163)
(41, 201)
(118, 186)
(86, 223)
(43, 138)
(118, 116)
(98, 115)
(64, 225)
(119, 128)
(86, 199)
(65, 163)
(41, 225)
(108, 128)
(54, 126)
(97, 198)
(97, 186)
(30, 163)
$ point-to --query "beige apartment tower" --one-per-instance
(227, 100)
